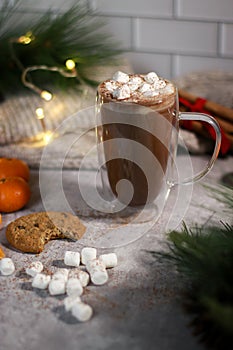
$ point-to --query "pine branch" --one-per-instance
(204, 258)
(222, 194)
(76, 34)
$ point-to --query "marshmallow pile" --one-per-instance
(123, 86)
(72, 281)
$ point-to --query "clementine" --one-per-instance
(2, 254)
(14, 194)
(14, 167)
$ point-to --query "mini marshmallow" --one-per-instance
(151, 77)
(151, 93)
(83, 276)
(99, 277)
(70, 301)
(97, 272)
(34, 268)
(88, 253)
(111, 85)
(72, 258)
(145, 87)
(136, 80)
(74, 287)
(61, 274)
(41, 281)
(57, 287)
(7, 266)
(82, 311)
(135, 83)
(122, 92)
(109, 260)
(160, 84)
(133, 87)
(121, 77)
(169, 89)
(95, 263)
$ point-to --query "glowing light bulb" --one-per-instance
(47, 137)
(26, 39)
(40, 116)
(46, 95)
(40, 113)
(70, 64)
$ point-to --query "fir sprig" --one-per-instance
(222, 193)
(203, 256)
(76, 34)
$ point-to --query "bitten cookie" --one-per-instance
(31, 232)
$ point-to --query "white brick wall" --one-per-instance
(121, 28)
(173, 37)
(227, 40)
(183, 64)
(134, 8)
(42, 5)
(220, 10)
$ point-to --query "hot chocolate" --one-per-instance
(137, 114)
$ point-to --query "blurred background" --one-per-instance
(187, 41)
(173, 37)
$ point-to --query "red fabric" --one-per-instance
(199, 106)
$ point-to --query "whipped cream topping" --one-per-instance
(128, 87)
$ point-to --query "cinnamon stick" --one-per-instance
(197, 127)
(225, 125)
(212, 107)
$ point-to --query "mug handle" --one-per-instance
(213, 123)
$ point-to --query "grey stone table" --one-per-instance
(141, 305)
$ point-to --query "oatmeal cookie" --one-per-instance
(31, 232)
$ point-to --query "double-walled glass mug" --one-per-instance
(137, 136)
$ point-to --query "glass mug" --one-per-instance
(137, 146)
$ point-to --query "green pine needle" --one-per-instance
(75, 34)
(222, 194)
(204, 258)
(221, 313)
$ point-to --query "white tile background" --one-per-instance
(172, 37)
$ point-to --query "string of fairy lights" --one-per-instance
(69, 71)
